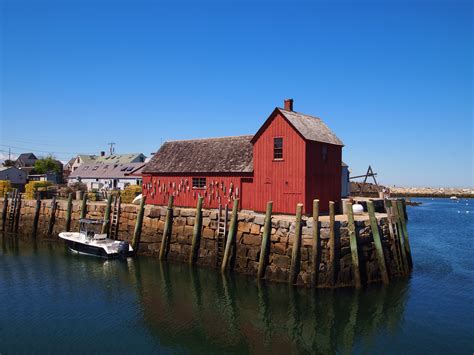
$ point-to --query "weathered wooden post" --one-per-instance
(377, 242)
(167, 229)
(18, 213)
(353, 243)
(196, 232)
(68, 212)
(333, 263)
(106, 224)
(265, 246)
(316, 256)
(5, 211)
(296, 252)
(84, 206)
(138, 225)
(393, 236)
(400, 239)
(52, 217)
(401, 214)
(37, 214)
(230, 235)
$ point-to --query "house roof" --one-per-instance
(118, 158)
(3, 168)
(105, 171)
(309, 127)
(28, 159)
(87, 159)
(211, 155)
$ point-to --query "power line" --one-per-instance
(41, 151)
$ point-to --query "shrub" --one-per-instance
(130, 193)
(5, 187)
(36, 186)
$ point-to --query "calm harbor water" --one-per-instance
(54, 302)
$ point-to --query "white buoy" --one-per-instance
(137, 199)
(357, 208)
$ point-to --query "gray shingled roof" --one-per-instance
(212, 155)
(105, 171)
(311, 128)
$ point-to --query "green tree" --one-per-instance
(46, 165)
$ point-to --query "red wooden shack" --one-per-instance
(293, 158)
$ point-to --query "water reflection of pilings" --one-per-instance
(239, 314)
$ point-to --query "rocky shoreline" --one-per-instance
(431, 192)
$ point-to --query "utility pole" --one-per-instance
(112, 148)
(9, 153)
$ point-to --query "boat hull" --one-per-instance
(104, 248)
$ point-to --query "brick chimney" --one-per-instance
(289, 104)
(102, 154)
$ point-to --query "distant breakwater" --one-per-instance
(331, 251)
(431, 192)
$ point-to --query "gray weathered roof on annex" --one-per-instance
(208, 155)
(105, 171)
(87, 159)
(311, 128)
(118, 158)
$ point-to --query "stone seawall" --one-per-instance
(246, 251)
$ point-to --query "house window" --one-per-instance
(325, 153)
(278, 148)
(199, 183)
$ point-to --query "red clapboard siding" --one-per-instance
(321, 176)
(280, 181)
(223, 189)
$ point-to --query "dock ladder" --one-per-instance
(12, 209)
(222, 223)
(114, 224)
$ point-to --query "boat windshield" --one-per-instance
(90, 227)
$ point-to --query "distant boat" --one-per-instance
(88, 242)
(454, 198)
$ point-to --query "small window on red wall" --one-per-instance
(278, 148)
(325, 153)
(199, 182)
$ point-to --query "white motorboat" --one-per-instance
(88, 242)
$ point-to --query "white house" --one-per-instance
(83, 159)
(114, 176)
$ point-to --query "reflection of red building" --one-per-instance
(293, 158)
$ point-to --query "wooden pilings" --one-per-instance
(353, 244)
(138, 224)
(316, 256)
(36, 216)
(106, 223)
(196, 232)
(84, 206)
(69, 212)
(265, 246)
(167, 229)
(401, 214)
(332, 243)
(16, 221)
(377, 242)
(296, 252)
(52, 217)
(230, 235)
(5, 211)
(394, 237)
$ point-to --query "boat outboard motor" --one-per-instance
(123, 249)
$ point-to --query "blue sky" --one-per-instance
(393, 79)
